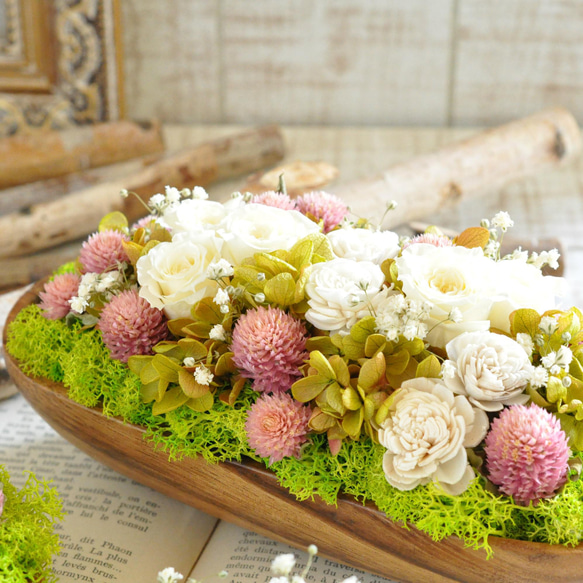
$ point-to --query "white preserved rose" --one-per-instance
(426, 433)
(172, 276)
(341, 292)
(193, 215)
(522, 285)
(490, 369)
(448, 278)
(364, 244)
(255, 228)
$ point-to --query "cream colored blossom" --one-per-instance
(426, 433)
(343, 291)
(490, 369)
(256, 228)
(364, 244)
(172, 275)
(453, 280)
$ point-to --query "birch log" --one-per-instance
(427, 183)
(70, 217)
(40, 155)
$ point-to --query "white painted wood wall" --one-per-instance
(351, 62)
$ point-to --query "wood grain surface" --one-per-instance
(379, 62)
(248, 495)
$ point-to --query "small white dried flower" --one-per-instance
(189, 362)
(492, 249)
(502, 221)
(219, 269)
(561, 358)
(124, 193)
(526, 342)
(157, 201)
(548, 325)
(200, 193)
(221, 297)
(172, 194)
(283, 564)
(567, 381)
(78, 304)
(224, 309)
(551, 258)
(259, 298)
(313, 549)
(203, 376)
(169, 575)
(539, 377)
(186, 193)
(455, 315)
(261, 277)
(351, 579)
(217, 332)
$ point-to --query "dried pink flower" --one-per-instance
(269, 346)
(56, 295)
(143, 223)
(277, 426)
(430, 239)
(1, 502)
(324, 206)
(129, 325)
(275, 199)
(527, 453)
(102, 251)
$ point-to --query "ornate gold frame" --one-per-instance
(60, 64)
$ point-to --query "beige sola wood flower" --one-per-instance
(426, 433)
(490, 369)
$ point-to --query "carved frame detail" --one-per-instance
(60, 64)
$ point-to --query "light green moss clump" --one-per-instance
(80, 360)
(27, 537)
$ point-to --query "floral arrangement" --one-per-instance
(431, 375)
(27, 538)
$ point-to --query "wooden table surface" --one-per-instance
(548, 204)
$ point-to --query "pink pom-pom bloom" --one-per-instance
(277, 426)
(430, 239)
(324, 206)
(103, 251)
(275, 199)
(527, 453)
(268, 347)
(129, 326)
(56, 295)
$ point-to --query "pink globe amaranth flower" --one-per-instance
(129, 326)
(143, 223)
(268, 347)
(102, 251)
(277, 426)
(324, 206)
(527, 453)
(275, 199)
(430, 239)
(56, 295)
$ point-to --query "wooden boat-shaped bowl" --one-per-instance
(248, 495)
